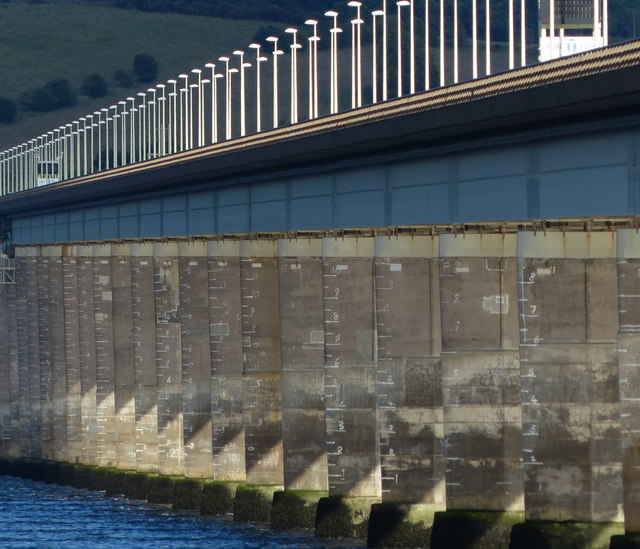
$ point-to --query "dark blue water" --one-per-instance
(34, 515)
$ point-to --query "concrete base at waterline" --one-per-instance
(253, 503)
(627, 541)
(343, 517)
(295, 508)
(218, 497)
(474, 530)
(187, 494)
(400, 525)
(566, 535)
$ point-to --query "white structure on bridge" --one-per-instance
(390, 50)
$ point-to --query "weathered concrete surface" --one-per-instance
(571, 415)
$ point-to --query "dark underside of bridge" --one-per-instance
(599, 87)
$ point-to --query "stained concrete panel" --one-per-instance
(87, 341)
(350, 371)
(144, 356)
(196, 359)
(225, 338)
(262, 369)
(123, 357)
(166, 282)
(72, 356)
(302, 351)
(57, 342)
(44, 355)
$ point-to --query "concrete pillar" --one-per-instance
(168, 358)
(144, 355)
(45, 381)
(72, 355)
(481, 392)
(303, 410)
(261, 363)
(225, 330)
(28, 368)
(105, 368)
(628, 256)
(123, 357)
(87, 340)
(9, 419)
(196, 359)
(57, 357)
(409, 378)
(350, 386)
(568, 332)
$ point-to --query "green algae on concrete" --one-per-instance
(473, 529)
(564, 535)
(253, 503)
(400, 525)
(160, 489)
(343, 517)
(217, 497)
(295, 508)
(187, 494)
(136, 485)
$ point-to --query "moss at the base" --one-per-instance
(187, 494)
(343, 517)
(217, 498)
(627, 541)
(295, 509)
(400, 525)
(160, 489)
(115, 482)
(473, 530)
(136, 485)
(253, 503)
(564, 535)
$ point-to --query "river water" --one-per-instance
(34, 515)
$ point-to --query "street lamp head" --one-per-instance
(291, 30)
(131, 98)
(401, 3)
(311, 22)
(206, 81)
(254, 46)
(193, 85)
(183, 75)
(209, 66)
(160, 86)
(172, 81)
(354, 4)
(196, 71)
(224, 59)
(331, 13)
(375, 13)
(151, 90)
(238, 52)
(272, 39)
(233, 70)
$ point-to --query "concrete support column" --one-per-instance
(480, 371)
(43, 304)
(409, 378)
(105, 367)
(196, 359)
(303, 408)
(350, 387)
(628, 258)
(123, 357)
(262, 415)
(57, 357)
(166, 281)
(144, 356)
(225, 331)
(570, 402)
(87, 340)
(9, 363)
(72, 355)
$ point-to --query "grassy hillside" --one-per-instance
(42, 41)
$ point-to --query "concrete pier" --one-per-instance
(419, 389)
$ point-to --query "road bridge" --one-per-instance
(422, 311)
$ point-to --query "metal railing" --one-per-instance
(398, 48)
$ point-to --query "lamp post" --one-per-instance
(442, 67)
(142, 122)
(313, 68)
(227, 112)
(183, 112)
(356, 55)
(275, 53)
(132, 129)
(114, 130)
(161, 122)
(385, 61)
(254, 46)
(243, 121)
(212, 66)
(71, 151)
(487, 39)
(456, 45)
(334, 60)
(123, 129)
(200, 119)
(91, 125)
(192, 87)
(77, 148)
(474, 38)
(374, 72)
(152, 113)
(400, 4)
(512, 45)
(523, 34)
(172, 116)
(294, 74)
(427, 50)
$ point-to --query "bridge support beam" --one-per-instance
(571, 424)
